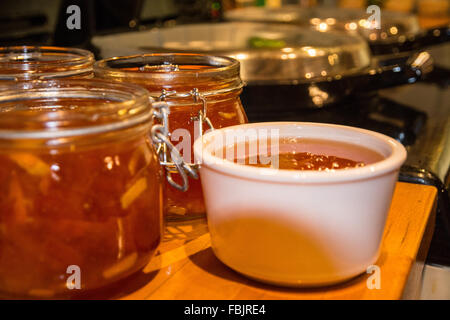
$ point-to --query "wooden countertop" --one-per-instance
(185, 266)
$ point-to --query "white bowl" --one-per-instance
(298, 228)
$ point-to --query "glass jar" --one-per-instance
(81, 192)
(202, 93)
(39, 63)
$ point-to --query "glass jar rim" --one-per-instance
(218, 64)
(43, 62)
(218, 68)
(125, 106)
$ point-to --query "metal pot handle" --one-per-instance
(393, 73)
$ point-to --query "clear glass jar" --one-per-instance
(23, 63)
(190, 84)
(81, 186)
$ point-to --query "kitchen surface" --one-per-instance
(213, 229)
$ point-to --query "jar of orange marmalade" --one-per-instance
(202, 93)
(40, 63)
(81, 192)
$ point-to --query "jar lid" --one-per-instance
(59, 109)
(30, 62)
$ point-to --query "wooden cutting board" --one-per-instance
(185, 266)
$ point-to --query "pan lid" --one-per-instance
(267, 52)
(394, 26)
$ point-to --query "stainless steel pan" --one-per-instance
(307, 67)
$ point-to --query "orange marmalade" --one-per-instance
(175, 78)
(81, 197)
(314, 154)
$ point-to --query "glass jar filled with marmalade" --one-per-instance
(202, 93)
(81, 192)
(24, 63)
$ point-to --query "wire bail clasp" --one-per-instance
(202, 117)
(169, 156)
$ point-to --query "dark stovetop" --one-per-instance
(368, 111)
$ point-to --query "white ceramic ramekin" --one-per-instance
(299, 228)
